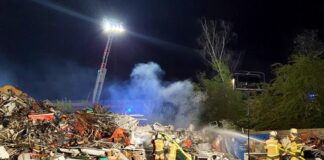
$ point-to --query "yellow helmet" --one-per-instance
(293, 131)
(273, 133)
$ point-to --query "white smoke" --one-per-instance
(165, 102)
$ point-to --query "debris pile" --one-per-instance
(36, 129)
(31, 129)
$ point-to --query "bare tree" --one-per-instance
(308, 43)
(216, 35)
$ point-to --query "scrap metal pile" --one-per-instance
(31, 129)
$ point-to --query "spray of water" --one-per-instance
(231, 133)
(231, 141)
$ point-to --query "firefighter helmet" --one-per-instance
(273, 133)
(293, 131)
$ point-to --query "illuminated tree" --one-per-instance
(215, 40)
(222, 102)
(295, 96)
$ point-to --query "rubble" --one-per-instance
(31, 129)
(159, 127)
(3, 153)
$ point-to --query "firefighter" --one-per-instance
(152, 142)
(272, 146)
(172, 150)
(158, 148)
(296, 145)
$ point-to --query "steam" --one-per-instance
(164, 102)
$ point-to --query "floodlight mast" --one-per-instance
(111, 29)
(102, 72)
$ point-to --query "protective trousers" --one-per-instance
(159, 155)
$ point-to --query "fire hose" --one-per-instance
(291, 153)
(181, 150)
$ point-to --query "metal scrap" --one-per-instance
(31, 129)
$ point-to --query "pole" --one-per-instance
(248, 131)
(248, 93)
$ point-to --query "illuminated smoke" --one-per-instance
(160, 101)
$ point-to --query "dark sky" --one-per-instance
(52, 49)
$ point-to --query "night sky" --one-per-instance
(52, 49)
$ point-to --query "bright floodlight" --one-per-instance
(112, 27)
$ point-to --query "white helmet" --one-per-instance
(273, 133)
(159, 136)
(177, 140)
(173, 136)
(293, 131)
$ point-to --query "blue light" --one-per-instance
(129, 110)
(310, 96)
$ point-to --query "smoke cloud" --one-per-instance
(159, 101)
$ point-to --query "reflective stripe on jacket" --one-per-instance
(172, 150)
(272, 147)
(159, 145)
(296, 146)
